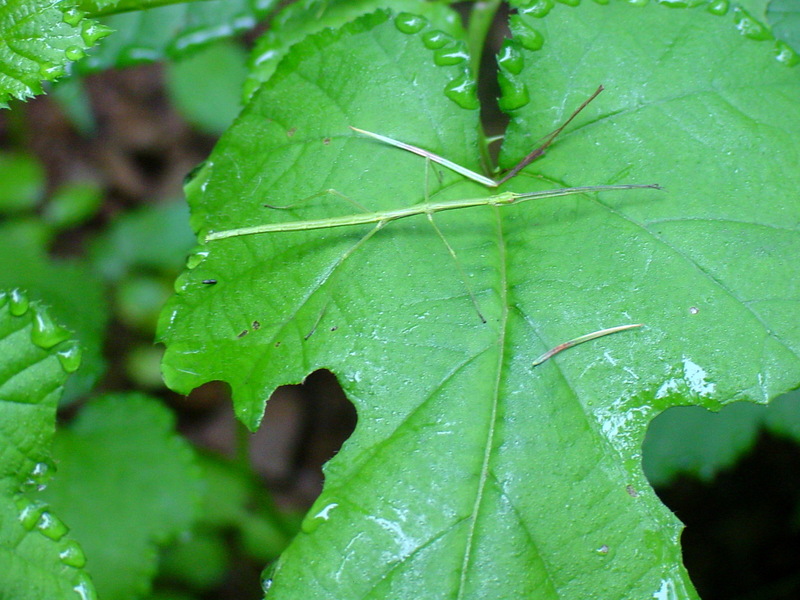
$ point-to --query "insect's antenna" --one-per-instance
(548, 140)
(458, 266)
(328, 192)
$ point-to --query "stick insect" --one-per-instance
(427, 208)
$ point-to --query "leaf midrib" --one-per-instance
(489, 446)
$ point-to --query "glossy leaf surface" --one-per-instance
(472, 474)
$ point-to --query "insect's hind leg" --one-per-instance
(333, 270)
(460, 268)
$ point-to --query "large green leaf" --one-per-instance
(472, 474)
(38, 38)
(38, 558)
(126, 482)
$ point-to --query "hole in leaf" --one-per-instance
(731, 478)
(304, 426)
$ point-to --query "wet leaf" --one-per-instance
(472, 474)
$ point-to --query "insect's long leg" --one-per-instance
(328, 192)
(330, 277)
(548, 140)
(460, 268)
(447, 244)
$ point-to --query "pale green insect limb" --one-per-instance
(580, 340)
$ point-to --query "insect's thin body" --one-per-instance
(427, 208)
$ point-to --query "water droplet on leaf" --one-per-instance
(749, 26)
(785, 54)
(538, 9)
(72, 555)
(47, 333)
(70, 357)
(196, 258)
(92, 31)
(451, 55)
(29, 512)
(18, 302)
(74, 53)
(408, 23)
(514, 93)
(315, 518)
(463, 92)
(718, 7)
(435, 39)
(83, 587)
(510, 58)
(72, 16)
(51, 526)
(525, 34)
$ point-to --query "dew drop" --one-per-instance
(538, 9)
(50, 71)
(718, 7)
(463, 92)
(525, 34)
(638, 2)
(82, 585)
(72, 16)
(266, 583)
(748, 26)
(29, 512)
(602, 2)
(570, 2)
(785, 54)
(71, 554)
(408, 23)
(41, 473)
(47, 333)
(51, 526)
(435, 39)
(92, 31)
(510, 58)
(267, 576)
(70, 357)
(315, 518)
(513, 92)
(451, 55)
(74, 53)
(18, 302)
(196, 258)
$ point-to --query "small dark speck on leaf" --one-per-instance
(334, 328)
(244, 333)
(256, 325)
(291, 132)
(210, 281)
(632, 491)
(277, 344)
(326, 141)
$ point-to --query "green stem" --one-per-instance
(480, 22)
